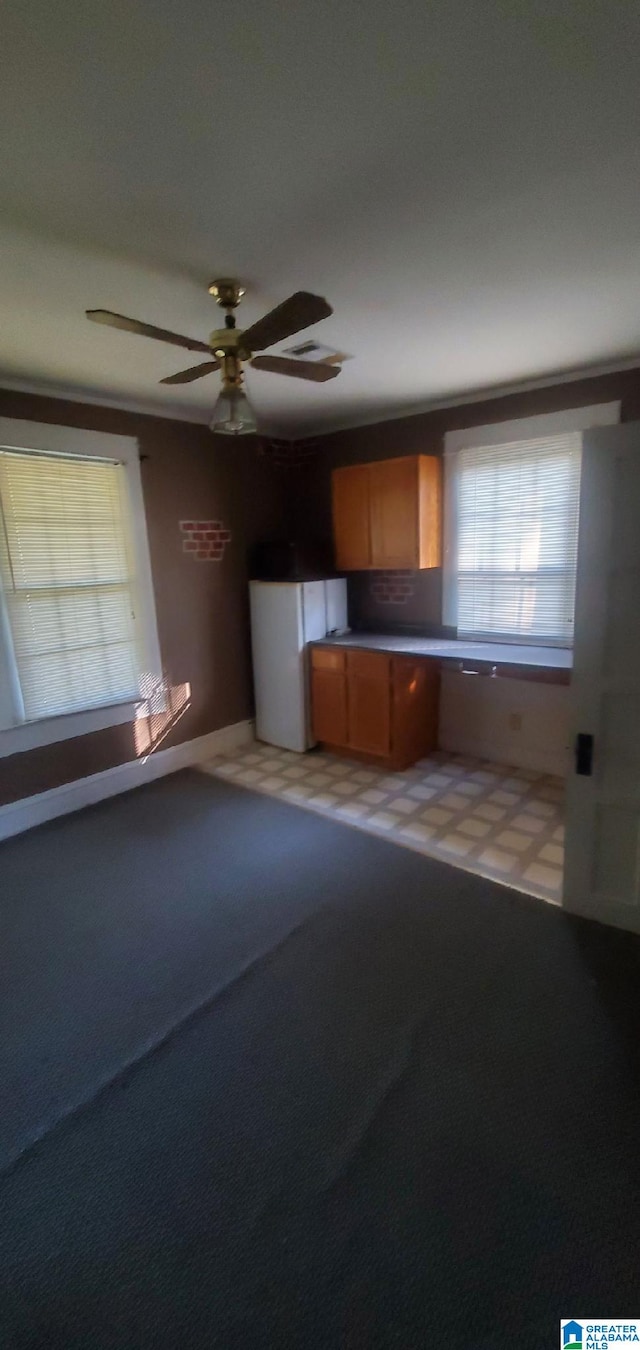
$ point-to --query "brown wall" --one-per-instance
(202, 607)
(310, 499)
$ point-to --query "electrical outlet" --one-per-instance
(515, 721)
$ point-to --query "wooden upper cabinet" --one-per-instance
(388, 512)
(395, 513)
(351, 517)
(429, 511)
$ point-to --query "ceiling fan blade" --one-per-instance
(145, 329)
(297, 312)
(304, 370)
(193, 373)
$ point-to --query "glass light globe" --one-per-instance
(233, 414)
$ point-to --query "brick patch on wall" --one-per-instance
(205, 540)
(289, 454)
(392, 588)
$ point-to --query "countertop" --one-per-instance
(452, 649)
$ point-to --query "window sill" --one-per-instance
(33, 735)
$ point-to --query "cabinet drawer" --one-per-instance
(369, 665)
(327, 658)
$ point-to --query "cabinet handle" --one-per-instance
(486, 674)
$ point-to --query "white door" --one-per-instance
(602, 850)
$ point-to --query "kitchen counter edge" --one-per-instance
(455, 650)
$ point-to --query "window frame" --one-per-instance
(52, 438)
(499, 433)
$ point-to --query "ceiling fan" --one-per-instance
(229, 347)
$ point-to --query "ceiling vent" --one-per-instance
(316, 351)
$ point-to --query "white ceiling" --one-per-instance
(460, 179)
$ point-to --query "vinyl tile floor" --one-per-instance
(500, 822)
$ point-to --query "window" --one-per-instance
(517, 514)
(512, 527)
(77, 627)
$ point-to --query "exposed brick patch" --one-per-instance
(205, 540)
(392, 588)
(289, 454)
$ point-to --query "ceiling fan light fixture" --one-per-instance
(231, 347)
(233, 414)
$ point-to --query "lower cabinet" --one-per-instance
(368, 703)
(374, 706)
(329, 696)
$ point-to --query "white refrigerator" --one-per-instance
(285, 616)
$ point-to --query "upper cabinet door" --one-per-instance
(388, 514)
(430, 511)
(351, 518)
(395, 513)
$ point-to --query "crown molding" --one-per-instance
(287, 431)
(76, 394)
(139, 406)
(484, 395)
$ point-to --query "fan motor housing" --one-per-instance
(228, 342)
(227, 291)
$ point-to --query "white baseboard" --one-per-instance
(59, 801)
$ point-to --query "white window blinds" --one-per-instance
(516, 526)
(65, 565)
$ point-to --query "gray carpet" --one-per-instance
(269, 1081)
